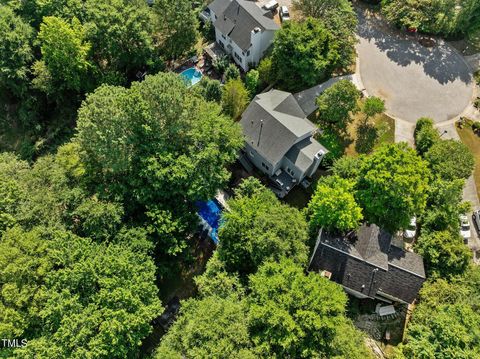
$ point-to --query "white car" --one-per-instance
(284, 14)
(271, 5)
(411, 230)
(465, 227)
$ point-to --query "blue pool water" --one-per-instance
(191, 76)
(210, 212)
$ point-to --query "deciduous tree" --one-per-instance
(304, 54)
(212, 327)
(156, 143)
(64, 56)
(258, 228)
(392, 186)
(78, 298)
(337, 102)
(298, 315)
(175, 27)
(252, 82)
(426, 135)
(333, 205)
(445, 324)
(444, 253)
(339, 17)
(373, 106)
(15, 52)
(450, 160)
(234, 98)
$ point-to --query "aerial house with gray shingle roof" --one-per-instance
(242, 29)
(367, 265)
(279, 139)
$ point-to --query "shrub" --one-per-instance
(251, 82)
(265, 72)
(425, 135)
(232, 72)
(220, 64)
(476, 127)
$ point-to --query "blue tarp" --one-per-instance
(210, 211)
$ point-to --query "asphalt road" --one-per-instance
(413, 80)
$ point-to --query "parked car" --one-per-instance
(465, 227)
(411, 230)
(476, 218)
(271, 5)
(284, 14)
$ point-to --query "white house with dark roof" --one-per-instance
(279, 139)
(242, 29)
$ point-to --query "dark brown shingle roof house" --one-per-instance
(367, 265)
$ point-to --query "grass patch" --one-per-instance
(473, 143)
(361, 137)
(367, 136)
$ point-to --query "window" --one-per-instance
(265, 166)
(248, 53)
(251, 154)
(223, 36)
(238, 57)
(221, 44)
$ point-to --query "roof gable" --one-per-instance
(237, 19)
(270, 132)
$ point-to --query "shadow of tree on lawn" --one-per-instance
(367, 136)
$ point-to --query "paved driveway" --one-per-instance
(413, 80)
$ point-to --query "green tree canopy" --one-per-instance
(78, 298)
(392, 186)
(15, 52)
(64, 63)
(444, 253)
(252, 82)
(234, 98)
(304, 54)
(258, 228)
(450, 160)
(294, 315)
(347, 167)
(426, 135)
(447, 17)
(210, 89)
(231, 73)
(337, 102)
(156, 142)
(120, 32)
(175, 27)
(211, 327)
(339, 17)
(333, 205)
(11, 192)
(373, 106)
(444, 205)
(446, 323)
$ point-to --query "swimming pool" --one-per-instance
(191, 76)
(210, 213)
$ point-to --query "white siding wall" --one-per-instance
(257, 159)
(260, 42)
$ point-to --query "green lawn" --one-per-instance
(473, 142)
(361, 137)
